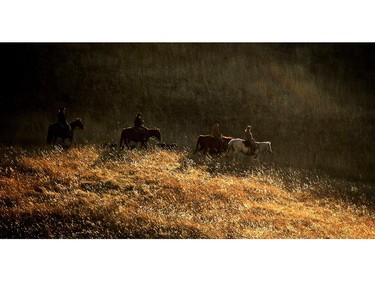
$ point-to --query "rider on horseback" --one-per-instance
(249, 140)
(216, 134)
(216, 130)
(61, 119)
(138, 125)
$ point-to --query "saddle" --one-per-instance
(247, 143)
(141, 132)
(65, 126)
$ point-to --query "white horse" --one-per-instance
(236, 146)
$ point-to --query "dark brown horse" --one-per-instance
(208, 143)
(131, 134)
(56, 131)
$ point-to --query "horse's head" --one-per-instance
(264, 146)
(155, 133)
(269, 148)
(77, 123)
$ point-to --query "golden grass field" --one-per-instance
(92, 192)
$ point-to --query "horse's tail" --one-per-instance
(230, 148)
(122, 140)
(49, 136)
(198, 144)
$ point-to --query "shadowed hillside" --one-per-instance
(314, 102)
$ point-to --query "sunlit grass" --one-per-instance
(89, 192)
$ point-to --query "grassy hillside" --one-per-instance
(313, 101)
(89, 192)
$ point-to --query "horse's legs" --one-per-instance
(233, 154)
(230, 150)
(127, 144)
(144, 144)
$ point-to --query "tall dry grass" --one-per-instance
(91, 192)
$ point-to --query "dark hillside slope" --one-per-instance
(315, 102)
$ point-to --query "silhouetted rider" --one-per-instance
(249, 140)
(216, 131)
(61, 119)
(138, 125)
(217, 135)
(138, 121)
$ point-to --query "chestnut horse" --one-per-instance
(208, 143)
(134, 135)
(56, 130)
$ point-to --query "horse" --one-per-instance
(57, 130)
(238, 145)
(131, 134)
(208, 143)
